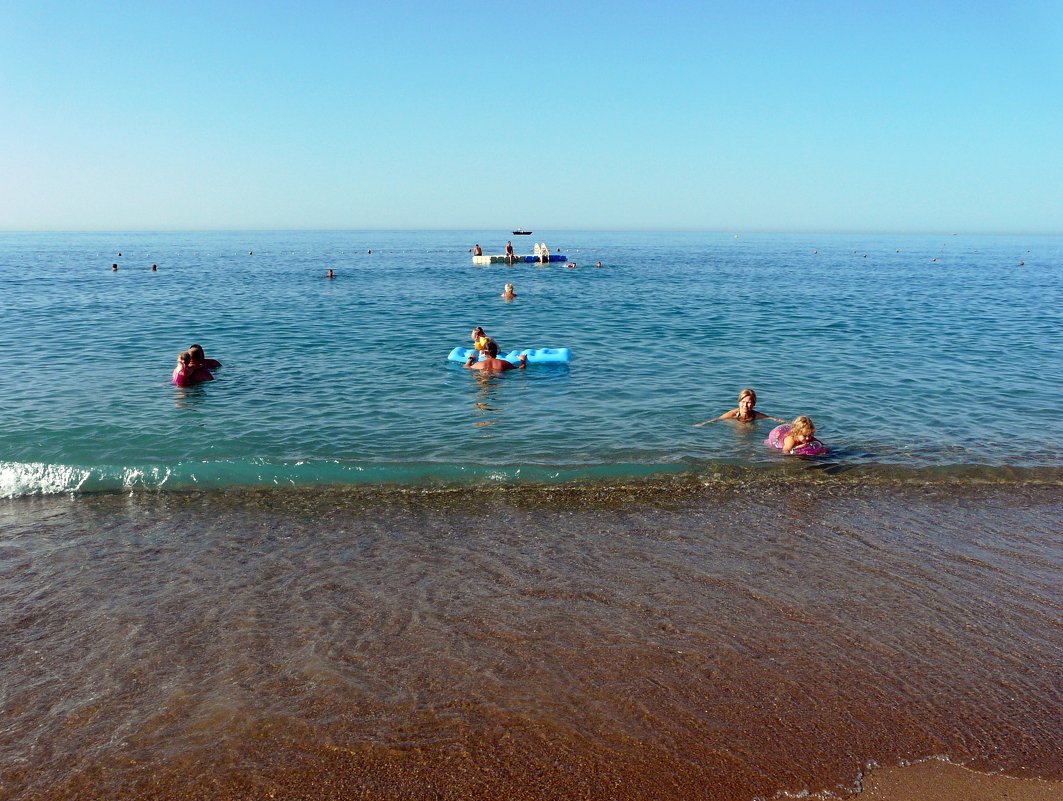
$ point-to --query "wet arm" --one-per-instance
(724, 416)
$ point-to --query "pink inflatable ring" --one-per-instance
(778, 435)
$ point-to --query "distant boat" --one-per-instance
(521, 232)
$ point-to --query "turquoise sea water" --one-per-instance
(909, 352)
(542, 584)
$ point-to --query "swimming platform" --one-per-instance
(500, 258)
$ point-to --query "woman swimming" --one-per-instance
(745, 413)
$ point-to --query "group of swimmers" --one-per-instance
(794, 439)
(193, 367)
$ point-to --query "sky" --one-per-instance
(722, 116)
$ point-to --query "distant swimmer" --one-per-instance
(492, 363)
(250, 253)
(154, 268)
(370, 251)
(1022, 264)
(199, 359)
(477, 250)
(599, 265)
(185, 374)
(745, 412)
(330, 274)
(508, 293)
(571, 265)
(114, 268)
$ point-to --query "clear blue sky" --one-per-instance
(825, 116)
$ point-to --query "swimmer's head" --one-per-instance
(183, 359)
(195, 352)
(492, 349)
(803, 429)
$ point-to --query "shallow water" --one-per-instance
(905, 350)
(659, 639)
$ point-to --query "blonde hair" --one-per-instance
(509, 287)
(747, 392)
(802, 426)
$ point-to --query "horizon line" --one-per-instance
(682, 230)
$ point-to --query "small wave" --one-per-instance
(24, 479)
(37, 478)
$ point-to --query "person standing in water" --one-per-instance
(492, 363)
(745, 413)
(199, 359)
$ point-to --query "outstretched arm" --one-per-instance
(471, 360)
(724, 416)
(523, 361)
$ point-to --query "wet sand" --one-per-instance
(596, 642)
(935, 780)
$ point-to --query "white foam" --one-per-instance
(18, 479)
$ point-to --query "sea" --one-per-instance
(349, 568)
